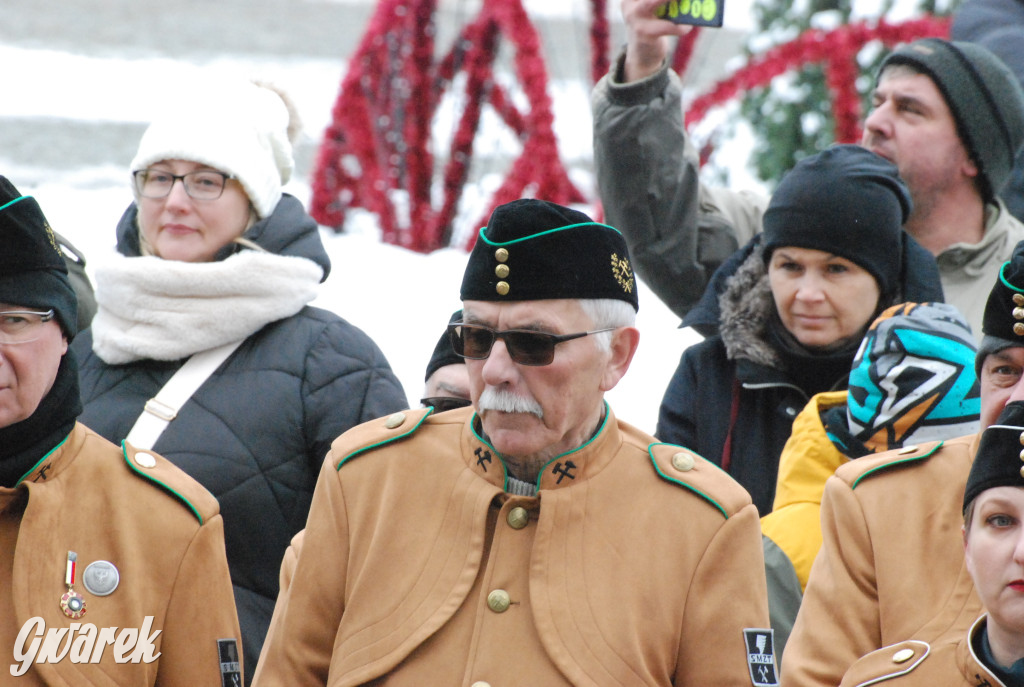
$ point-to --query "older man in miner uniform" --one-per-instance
(891, 566)
(112, 563)
(533, 538)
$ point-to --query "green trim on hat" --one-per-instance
(7, 205)
(1005, 282)
(544, 233)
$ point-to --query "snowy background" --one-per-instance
(77, 102)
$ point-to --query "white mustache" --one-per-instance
(507, 402)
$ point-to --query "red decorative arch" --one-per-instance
(377, 152)
(837, 50)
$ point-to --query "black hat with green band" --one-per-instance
(1003, 322)
(537, 250)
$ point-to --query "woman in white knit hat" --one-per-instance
(204, 346)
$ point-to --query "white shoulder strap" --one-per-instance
(164, 407)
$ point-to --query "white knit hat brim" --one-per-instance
(239, 129)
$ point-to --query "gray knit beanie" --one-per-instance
(984, 96)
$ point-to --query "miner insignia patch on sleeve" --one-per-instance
(761, 657)
(230, 671)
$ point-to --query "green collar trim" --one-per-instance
(544, 233)
(685, 485)
(358, 452)
(162, 485)
(600, 428)
(894, 463)
(48, 453)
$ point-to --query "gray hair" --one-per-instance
(607, 312)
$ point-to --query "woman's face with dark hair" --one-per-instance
(822, 299)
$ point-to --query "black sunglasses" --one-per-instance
(525, 347)
(443, 403)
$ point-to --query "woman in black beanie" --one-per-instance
(832, 257)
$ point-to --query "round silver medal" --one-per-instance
(101, 578)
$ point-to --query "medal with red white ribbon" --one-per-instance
(72, 602)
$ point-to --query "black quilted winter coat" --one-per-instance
(257, 431)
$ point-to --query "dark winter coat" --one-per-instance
(732, 399)
(257, 431)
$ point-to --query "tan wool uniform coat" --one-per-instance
(636, 564)
(952, 662)
(161, 531)
(891, 566)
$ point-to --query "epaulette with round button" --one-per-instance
(171, 480)
(889, 662)
(385, 430)
(686, 469)
(897, 458)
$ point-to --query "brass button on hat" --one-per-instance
(501, 271)
(502, 289)
(501, 255)
(1018, 313)
(1018, 298)
(1018, 329)
(518, 518)
(682, 461)
(498, 601)
(395, 421)
(145, 460)
(903, 655)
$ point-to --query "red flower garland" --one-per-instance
(377, 151)
(838, 50)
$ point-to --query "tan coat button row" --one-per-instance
(480, 683)
(499, 601)
(518, 518)
(394, 421)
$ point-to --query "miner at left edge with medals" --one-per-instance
(112, 563)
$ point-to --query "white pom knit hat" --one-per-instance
(237, 127)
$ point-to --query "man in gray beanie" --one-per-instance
(891, 564)
(949, 115)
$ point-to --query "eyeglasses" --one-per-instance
(22, 326)
(443, 403)
(525, 347)
(201, 185)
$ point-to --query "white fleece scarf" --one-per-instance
(155, 309)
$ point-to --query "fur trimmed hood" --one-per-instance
(746, 306)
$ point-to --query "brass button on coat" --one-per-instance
(145, 460)
(903, 655)
(682, 461)
(498, 601)
(395, 420)
(518, 518)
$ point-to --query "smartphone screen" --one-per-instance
(696, 12)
